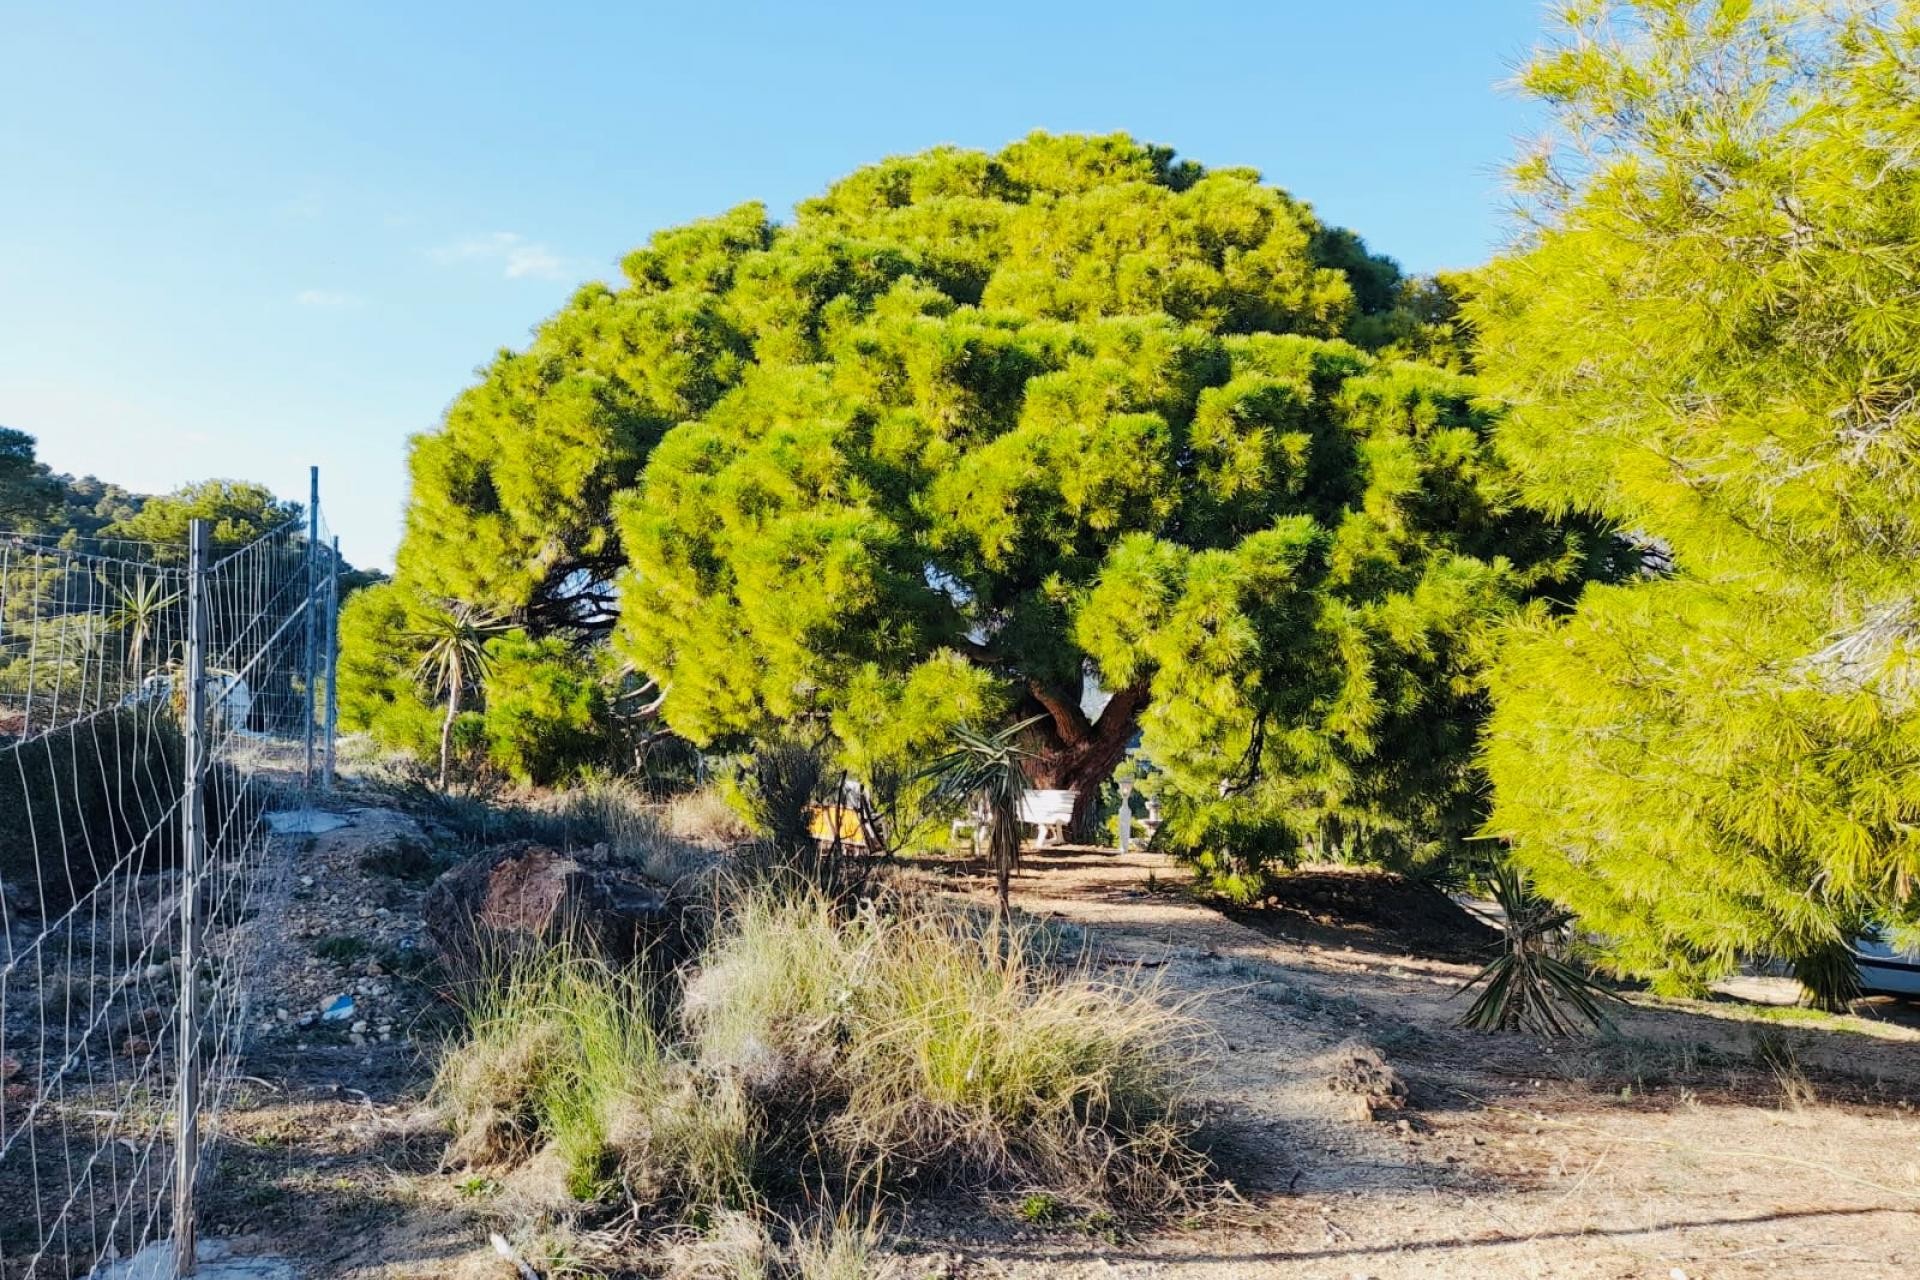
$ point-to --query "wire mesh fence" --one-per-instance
(135, 861)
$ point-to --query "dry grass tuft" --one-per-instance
(817, 1050)
(562, 1059)
(706, 818)
(742, 1246)
(1777, 1053)
(838, 1249)
(949, 1047)
(617, 812)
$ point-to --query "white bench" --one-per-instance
(1047, 812)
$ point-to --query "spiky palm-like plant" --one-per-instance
(454, 659)
(987, 767)
(1528, 987)
(137, 611)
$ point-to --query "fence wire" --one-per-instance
(93, 660)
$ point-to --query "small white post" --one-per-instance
(1126, 813)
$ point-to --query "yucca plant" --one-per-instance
(454, 659)
(137, 611)
(1528, 987)
(987, 768)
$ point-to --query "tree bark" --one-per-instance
(1080, 754)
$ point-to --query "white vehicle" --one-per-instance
(1885, 971)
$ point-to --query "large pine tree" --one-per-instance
(1066, 432)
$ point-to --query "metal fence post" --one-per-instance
(332, 664)
(193, 859)
(313, 586)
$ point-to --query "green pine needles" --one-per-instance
(1711, 338)
(975, 430)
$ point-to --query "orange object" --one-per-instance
(823, 818)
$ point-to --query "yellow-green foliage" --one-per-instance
(380, 690)
(1710, 338)
(538, 708)
(546, 713)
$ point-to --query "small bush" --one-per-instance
(779, 785)
(1527, 986)
(86, 800)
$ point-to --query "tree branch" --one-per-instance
(1070, 723)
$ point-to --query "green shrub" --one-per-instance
(101, 796)
(545, 710)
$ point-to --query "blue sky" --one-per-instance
(236, 240)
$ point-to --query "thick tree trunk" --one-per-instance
(1079, 754)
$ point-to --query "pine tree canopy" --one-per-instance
(1711, 337)
(1072, 430)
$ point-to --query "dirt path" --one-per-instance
(1671, 1148)
(1696, 1141)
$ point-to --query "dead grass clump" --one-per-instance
(705, 817)
(837, 1249)
(975, 1058)
(690, 1139)
(743, 1246)
(1777, 1054)
(769, 1001)
(946, 1047)
(817, 1050)
(618, 812)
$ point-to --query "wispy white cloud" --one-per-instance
(325, 298)
(517, 257)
